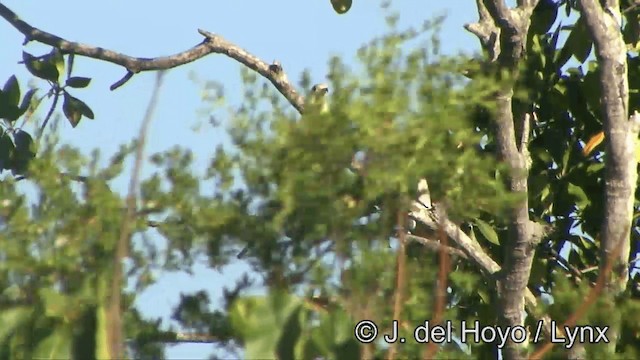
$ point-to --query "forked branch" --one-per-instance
(212, 44)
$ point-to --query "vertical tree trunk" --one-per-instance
(603, 20)
(503, 33)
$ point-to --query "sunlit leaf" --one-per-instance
(488, 231)
(44, 67)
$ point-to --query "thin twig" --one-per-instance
(56, 96)
(115, 319)
(78, 178)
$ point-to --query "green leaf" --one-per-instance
(290, 336)
(544, 15)
(11, 319)
(11, 91)
(24, 152)
(594, 168)
(579, 41)
(333, 337)
(74, 109)
(44, 68)
(78, 82)
(488, 231)
(341, 6)
(56, 58)
(26, 101)
(58, 345)
(56, 305)
(262, 322)
(582, 199)
(72, 112)
(8, 102)
(24, 143)
(484, 295)
(6, 150)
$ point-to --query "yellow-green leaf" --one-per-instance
(488, 231)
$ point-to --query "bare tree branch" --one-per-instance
(435, 245)
(212, 44)
(475, 253)
(486, 30)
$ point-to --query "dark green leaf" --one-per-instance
(24, 151)
(6, 150)
(341, 6)
(70, 110)
(544, 15)
(78, 82)
(43, 68)
(8, 111)
(24, 143)
(9, 97)
(554, 37)
(563, 54)
(85, 109)
(26, 101)
(579, 41)
(74, 109)
(290, 336)
(58, 345)
(11, 91)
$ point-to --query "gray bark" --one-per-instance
(603, 20)
(510, 27)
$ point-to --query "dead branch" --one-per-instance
(476, 254)
(212, 44)
(435, 245)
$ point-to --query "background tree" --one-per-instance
(430, 188)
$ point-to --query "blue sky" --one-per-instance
(300, 34)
